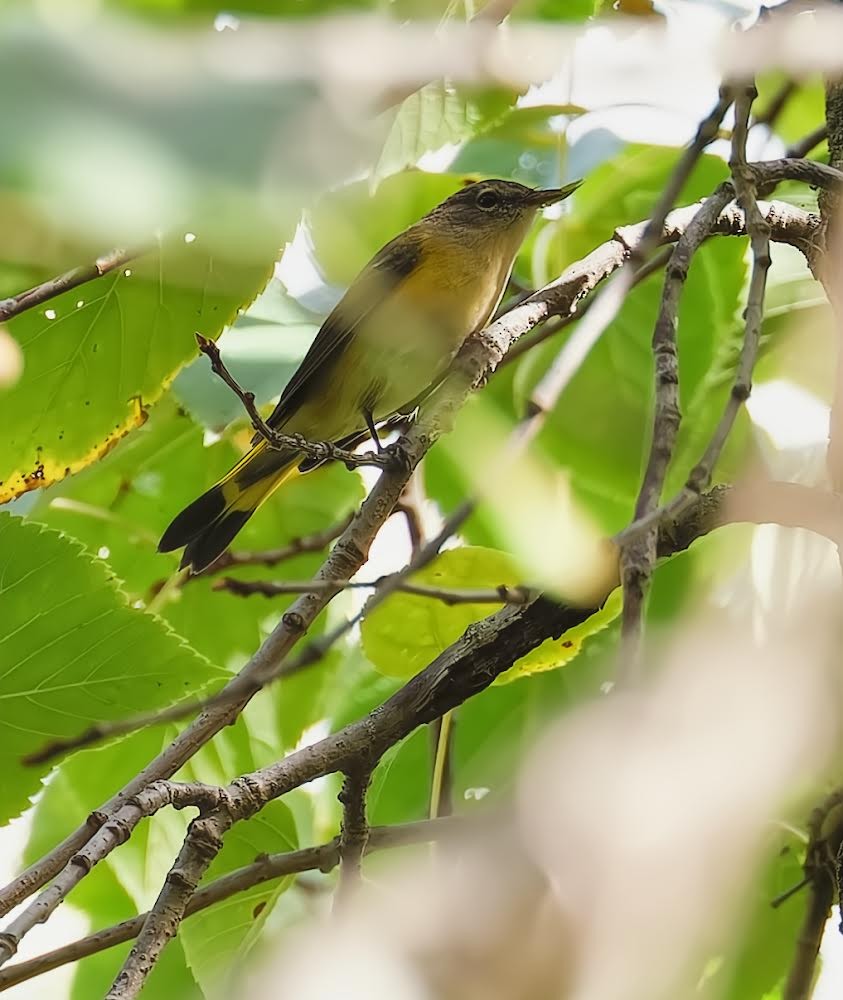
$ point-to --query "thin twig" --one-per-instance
(47, 290)
(442, 779)
(803, 146)
(320, 450)
(266, 868)
(354, 833)
(272, 588)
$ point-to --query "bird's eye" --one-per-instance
(487, 199)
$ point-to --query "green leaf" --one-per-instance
(72, 652)
(217, 940)
(436, 115)
(97, 356)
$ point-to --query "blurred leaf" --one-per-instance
(526, 146)
(217, 940)
(95, 357)
(437, 115)
(556, 10)
(803, 111)
(73, 653)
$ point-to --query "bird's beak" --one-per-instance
(550, 196)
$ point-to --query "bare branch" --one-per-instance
(272, 588)
(320, 450)
(115, 830)
(47, 290)
(637, 560)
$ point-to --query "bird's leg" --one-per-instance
(370, 423)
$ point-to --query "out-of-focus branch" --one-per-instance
(267, 868)
(39, 294)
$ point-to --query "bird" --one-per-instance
(389, 340)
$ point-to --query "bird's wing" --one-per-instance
(381, 276)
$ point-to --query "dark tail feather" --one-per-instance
(207, 527)
(194, 519)
(206, 547)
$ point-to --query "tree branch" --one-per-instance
(266, 868)
(272, 588)
(47, 290)
(354, 833)
(116, 830)
(319, 450)
(468, 666)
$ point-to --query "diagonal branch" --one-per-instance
(54, 287)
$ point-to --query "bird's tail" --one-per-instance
(207, 526)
